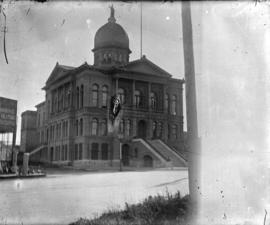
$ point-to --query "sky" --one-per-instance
(232, 65)
(41, 34)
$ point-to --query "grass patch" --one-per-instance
(158, 210)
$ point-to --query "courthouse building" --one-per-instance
(72, 123)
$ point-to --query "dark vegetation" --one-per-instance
(158, 210)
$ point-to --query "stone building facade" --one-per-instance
(73, 121)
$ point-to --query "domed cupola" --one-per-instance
(111, 45)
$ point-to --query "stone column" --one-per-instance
(116, 85)
(150, 124)
(148, 102)
(165, 130)
(134, 127)
(133, 94)
(163, 99)
(25, 163)
(14, 161)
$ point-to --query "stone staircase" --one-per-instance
(168, 153)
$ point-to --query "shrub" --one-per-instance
(169, 209)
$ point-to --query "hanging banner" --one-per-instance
(8, 114)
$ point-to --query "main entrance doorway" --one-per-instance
(142, 128)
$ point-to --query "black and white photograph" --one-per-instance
(134, 112)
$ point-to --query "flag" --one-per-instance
(115, 108)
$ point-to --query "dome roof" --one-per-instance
(111, 34)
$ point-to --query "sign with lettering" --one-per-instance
(8, 114)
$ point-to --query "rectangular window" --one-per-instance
(80, 151)
(88, 152)
(76, 152)
(94, 151)
(63, 153)
(81, 126)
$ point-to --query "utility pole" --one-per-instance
(141, 31)
(191, 108)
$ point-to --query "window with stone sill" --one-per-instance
(81, 96)
(173, 105)
(95, 95)
(81, 127)
(104, 96)
(128, 128)
(174, 131)
(122, 95)
(104, 151)
(137, 98)
(94, 126)
(153, 100)
(103, 127)
(94, 151)
(166, 105)
(121, 127)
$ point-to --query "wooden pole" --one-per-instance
(191, 107)
(141, 32)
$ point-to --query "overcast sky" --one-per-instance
(232, 64)
(39, 35)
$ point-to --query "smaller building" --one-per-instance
(29, 136)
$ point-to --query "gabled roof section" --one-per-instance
(145, 66)
(58, 72)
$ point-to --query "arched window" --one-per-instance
(94, 151)
(121, 93)
(55, 103)
(128, 128)
(109, 57)
(104, 96)
(95, 95)
(69, 96)
(121, 127)
(154, 128)
(153, 100)
(103, 127)
(174, 131)
(81, 126)
(60, 99)
(105, 57)
(137, 98)
(81, 96)
(94, 126)
(173, 109)
(77, 97)
(166, 104)
(104, 151)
